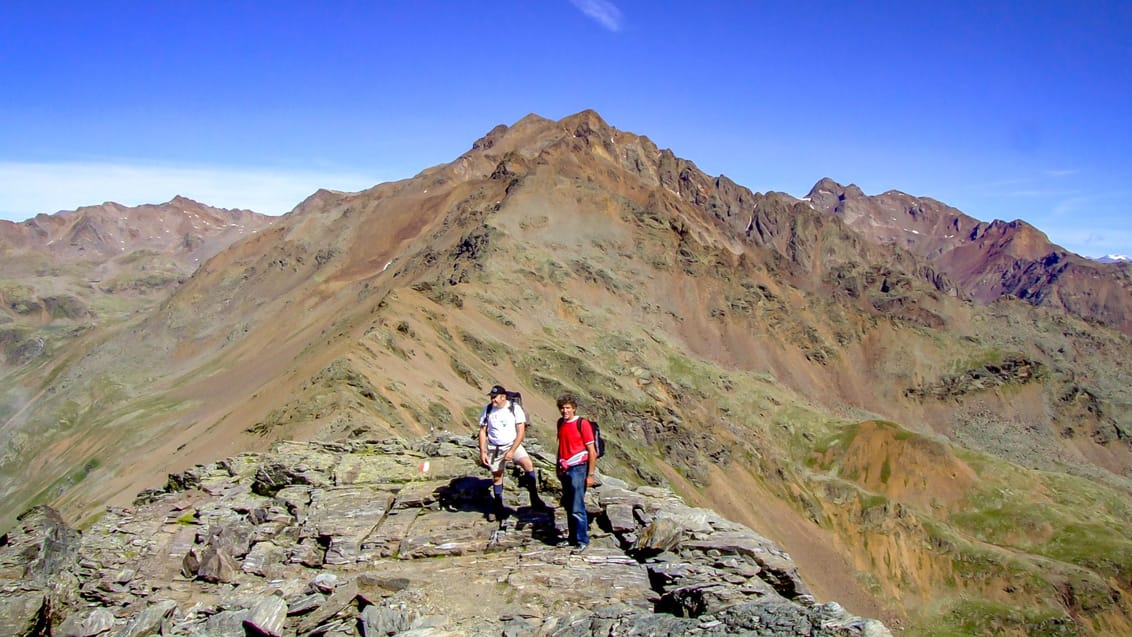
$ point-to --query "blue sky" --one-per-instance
(1005, 110)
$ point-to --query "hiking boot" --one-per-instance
(579, 549)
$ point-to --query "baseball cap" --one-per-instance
(496, 390)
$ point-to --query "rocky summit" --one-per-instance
(391, 537)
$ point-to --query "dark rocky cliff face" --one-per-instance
(382, 538)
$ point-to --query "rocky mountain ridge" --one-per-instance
(390, 537)
(987, 261)
(181, 228)
(97, 264)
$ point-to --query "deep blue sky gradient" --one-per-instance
(1003, 110)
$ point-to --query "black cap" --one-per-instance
(495, 391)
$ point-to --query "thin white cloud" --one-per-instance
(1061, 172)
(28, 189)
(1042, 186)
(1003, 183)
(604, 12)
(1071, 205)
(1034, 193)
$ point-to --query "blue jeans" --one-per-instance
(574, 501)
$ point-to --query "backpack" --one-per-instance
(599, 442)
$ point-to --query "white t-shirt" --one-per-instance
(501, 423)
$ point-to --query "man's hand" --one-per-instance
(483, 458)
(591, 463)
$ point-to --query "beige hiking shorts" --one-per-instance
(495, 455)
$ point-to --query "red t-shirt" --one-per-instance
(572, 442)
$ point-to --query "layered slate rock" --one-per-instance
(382, 538)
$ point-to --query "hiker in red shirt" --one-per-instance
(577, 460)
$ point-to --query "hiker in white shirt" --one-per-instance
(503, 424)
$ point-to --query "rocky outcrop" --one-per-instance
(380, 538)
(1013, 370)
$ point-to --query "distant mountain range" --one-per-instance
(984, 261)
(1114, 258)
(930, 413)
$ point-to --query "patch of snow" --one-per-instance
(1114, 258)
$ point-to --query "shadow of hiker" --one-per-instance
(473, 494)
(466, 493)
(541, 523)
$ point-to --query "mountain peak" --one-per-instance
(534, 123)
(181, 200)
(532, 119)
(588, 116)
(1114, 258)
(831, 187)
